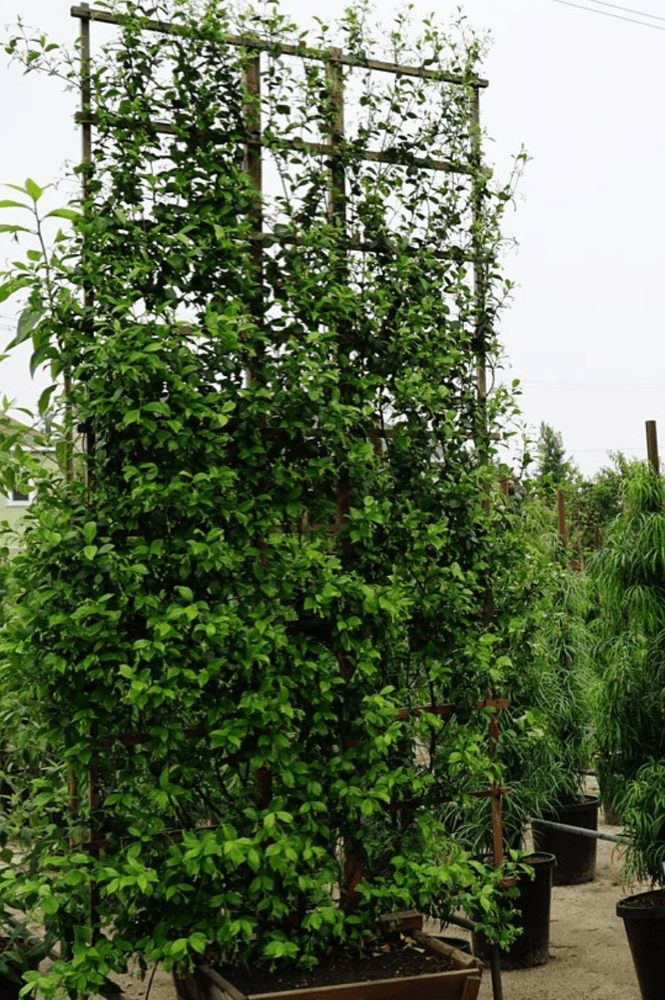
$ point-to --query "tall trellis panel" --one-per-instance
(259, 146)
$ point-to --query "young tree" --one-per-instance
(630, 654)
(553, 469)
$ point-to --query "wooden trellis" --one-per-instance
(335, 61)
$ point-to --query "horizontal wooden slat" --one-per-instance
(426, 987)
(404, 920)
(215, 987)
(491, 793)
(429, 987)
(449, 708)
(300, 51)
(129, 739)
(394, 157)
(447, 950)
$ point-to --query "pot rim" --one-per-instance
(539, 859)
(627, 911)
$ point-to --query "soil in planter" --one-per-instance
(647, 900)
(396, 963)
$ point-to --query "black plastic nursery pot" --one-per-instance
(532, 947)
(11, 987)
(10, 990)
(575, 854)
(644, 919)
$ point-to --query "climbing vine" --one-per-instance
(272, 531)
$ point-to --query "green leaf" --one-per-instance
(89, 531)
(178, 948)
(33, 189)
(45, 399)
(8, 288)
(27, 322)
(49, 905)
(197, 941)
(14, 204)
(63, 213)
(281, 949)
(157, 407)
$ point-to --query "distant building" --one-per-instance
(15, 502)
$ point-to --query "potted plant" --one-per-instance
(264, 577)
(544, 735)
(541, 608)
(628, 572)
(565, 700)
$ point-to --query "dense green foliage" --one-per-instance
(277, 535)
(629, 573)
(541, 610)
(590, 503)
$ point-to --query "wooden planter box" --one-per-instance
(462, 983)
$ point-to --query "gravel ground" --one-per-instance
(589, 954)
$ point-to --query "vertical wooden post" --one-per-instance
(481, 389)
(86, 101)
(478, 273)
(353, 853)
(337, 214)
(652, 445)
(88, 301)
(86, 162)
(497, 803)
(86, 156)
(561, 507)
(497, 854)
(254, 168)
(94, 847)
(481, 433)
(335, 87)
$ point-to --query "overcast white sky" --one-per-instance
(582, 90)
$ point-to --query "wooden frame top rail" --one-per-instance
(299, 51)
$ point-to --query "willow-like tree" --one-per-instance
(628, 572)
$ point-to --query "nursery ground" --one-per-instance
(589, 955)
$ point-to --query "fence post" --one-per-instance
(652, 445)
